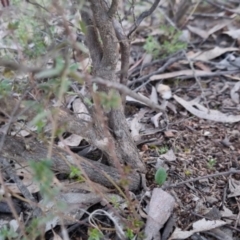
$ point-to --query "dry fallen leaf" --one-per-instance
(234, 33)
(154, 96)
(199, 226)
(169, 156)
(234, 187)
(80, 109)
(164, 91)
(56, 236)
(211, 54)
(160, 208)
(169, 134)
(201, 33)
(234, 93)
(200, 111)
(155, 119)
(73, 141)
(135, 125)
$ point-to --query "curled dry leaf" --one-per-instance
(211, 54)
(164, 91)
(234, 33)
(230, 63)
(73, 201)
(154, 96)
(199, 226)
(206, 33)
(200, 111)
(201, 33)
(72, 141)
(234, 187)
(135, 125)
(226, 212)
(26, 175)
(84, 64)
(155, 119)
(80, 109)
(234, 93)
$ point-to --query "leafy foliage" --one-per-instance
(110, 100)
(7, 233)
(211, 163)
(75, 173)
(163, 149)
(94, 234)
(170, 43)
(43, 175)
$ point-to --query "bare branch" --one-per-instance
(92, 39)
(142, 16)
(23, 189)
(18, 66)
(128, 92)
(125, 54)
(232, 171)
(124, 45)
(113, 9)
(107, 33)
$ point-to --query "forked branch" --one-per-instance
(142, 16)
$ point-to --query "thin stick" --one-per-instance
(142, 16)
(129, 92)
(202, 177)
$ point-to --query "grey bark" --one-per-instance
(15, 149)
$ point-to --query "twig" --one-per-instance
(157, 61)
(113, 9)
(213, 74)
(128, 92)
(203, 177)
(160, 70)
(142, 16)
(190, 62)
(17, 66)
(12, 117)
(210, 15)
(125, 51)
(125, 54)
(11, 206)
(23, 189)
(222, 7)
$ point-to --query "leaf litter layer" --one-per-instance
(190, 68)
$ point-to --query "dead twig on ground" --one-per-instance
(160, 70)
(202, 177)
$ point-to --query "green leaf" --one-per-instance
(75, 172)
(160, 176)
(83, 27)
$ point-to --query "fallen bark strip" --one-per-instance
(15, 149)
